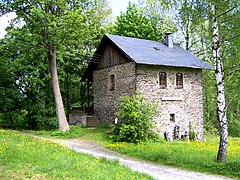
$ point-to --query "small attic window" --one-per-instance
(156, 48)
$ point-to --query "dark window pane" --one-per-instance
(179, 80)
(162, 79)
(172, 117)
(112, 82)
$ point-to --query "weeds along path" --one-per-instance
(156, 171)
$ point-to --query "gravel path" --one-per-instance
(156, 171)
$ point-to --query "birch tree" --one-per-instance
(222, 15)
(221, 100)
(216, 23)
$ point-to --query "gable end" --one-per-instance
(111, 55)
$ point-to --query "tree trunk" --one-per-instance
(62, 121)
(67, 97)
(187, 41)
(223, 145)
(187, 36)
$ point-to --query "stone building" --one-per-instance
(164, 72)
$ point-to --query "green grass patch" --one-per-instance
(97, 134)
(195, 156)
(25, 157)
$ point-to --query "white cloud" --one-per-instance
(5, 19)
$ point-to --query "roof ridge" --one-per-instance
(144, 51)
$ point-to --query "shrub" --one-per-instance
(192, 133)
(135, 119)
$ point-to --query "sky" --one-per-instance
(4, 22)
(116, 5)
(119, 5)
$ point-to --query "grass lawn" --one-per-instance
(25, 157)
(196, 156)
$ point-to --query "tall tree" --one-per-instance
(54, 25)
(10, 98)
(137, 23)
(216, 42)
(214, 17)
(222, 13)
(26, 65)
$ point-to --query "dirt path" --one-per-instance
(156, 171)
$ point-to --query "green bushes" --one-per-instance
(36, 117)
(135, 115)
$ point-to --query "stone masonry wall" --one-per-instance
(77, 117)
(105, 99)
(186, 104)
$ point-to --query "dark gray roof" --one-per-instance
(150, 52)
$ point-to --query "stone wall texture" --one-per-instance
(105, 99)
(77, 117)
(185, 104)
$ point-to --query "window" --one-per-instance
(162, 80)
(172, 117)
(179, 80)
(112, 82)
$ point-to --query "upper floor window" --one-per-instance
(112, 82)
(162, 79)
(179, 80)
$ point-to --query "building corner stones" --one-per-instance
(184, 105)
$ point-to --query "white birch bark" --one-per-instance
(62, 120)
(221, 101)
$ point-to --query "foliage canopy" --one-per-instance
(52, 36)
(136, 23)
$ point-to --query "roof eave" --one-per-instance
(181, 66)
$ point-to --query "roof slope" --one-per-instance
(150, 52)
